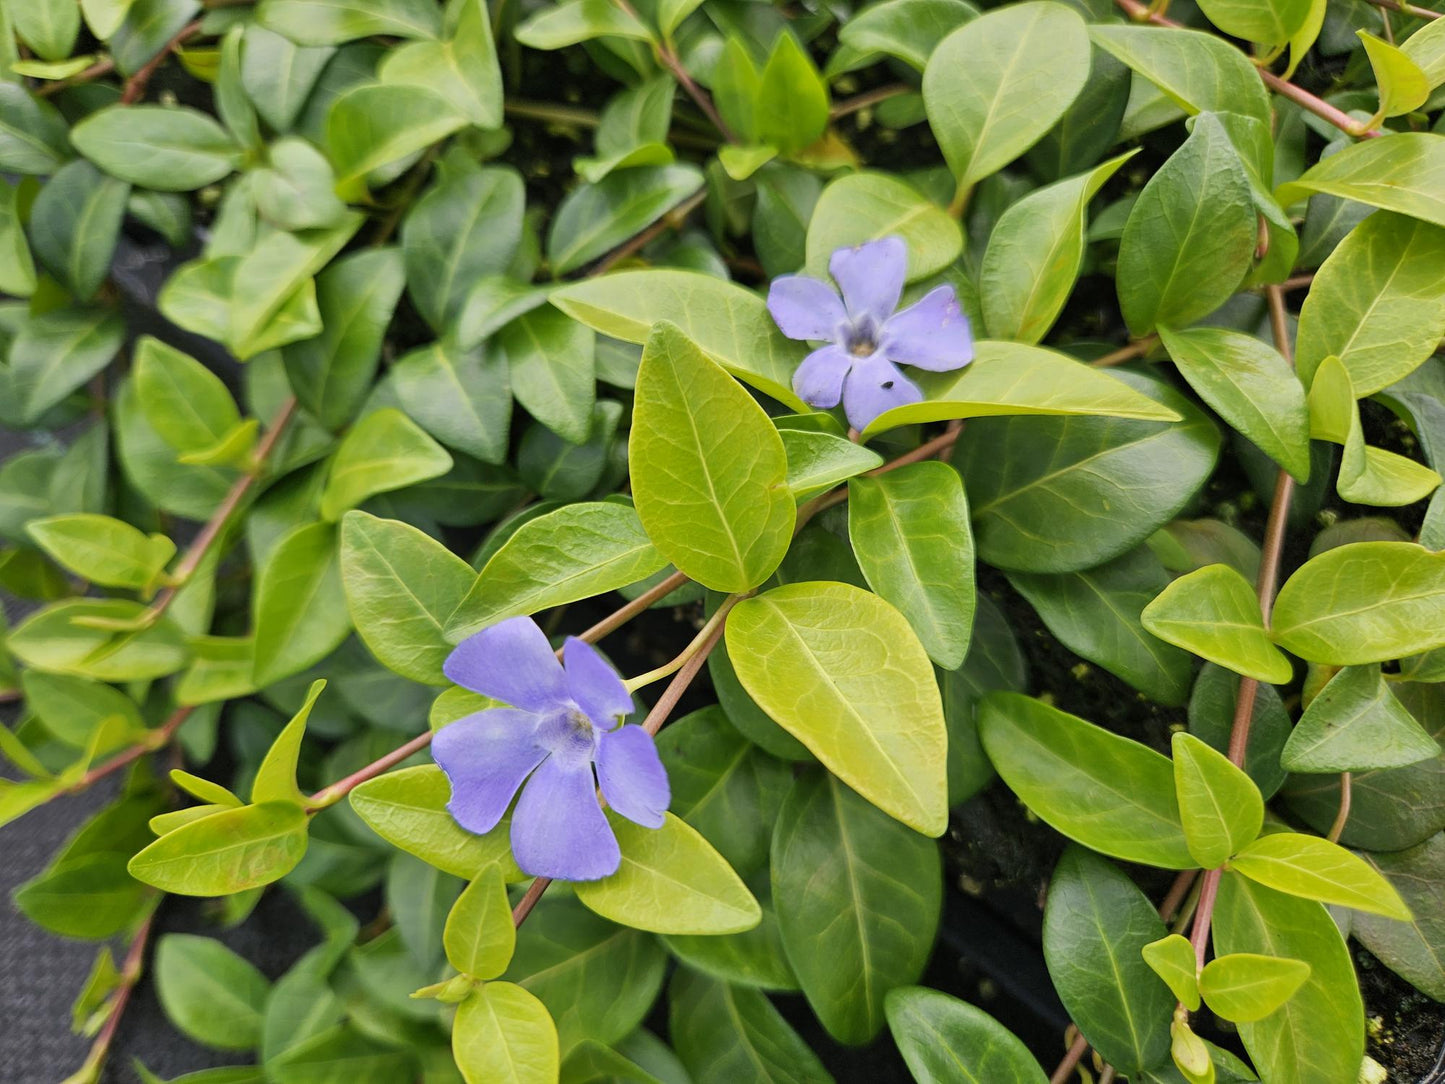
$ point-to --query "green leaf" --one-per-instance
(864, 206)
(77, 637)
(573, 553)
(995, 85)
(911, 534)
(858, 898)
(167, 148)
(1416, 950)
(552, 360)
(574, 21)
(1172, 959)
(819, 461)
(1363, 602)
(54, 354)
(1063, 494)
(1403, 86)
(273, 299)
(842, 671)
(1377, 303)
(792, 101)
(209, 993)
(1367, 475)
(480, 937)
(729, 1033)
(48, 26)
(467, 226)
(1214, 613)
(17, 268)
(1397, 174)
(1221, 808)
(947, 1041)
(1267, 22)
(1034, 255)
(278, 74)
(1320, 870)
(401, 585)
(276, 778)
(723, 785)
(74, 226)
(724, 520)
(1191, 235)
(340, 1053)
(1426, 47)
(1319, 1033)
(1015, 378)
(33, 136)
(1251, 386)
(327, 22)
(1095, 614)
(754, 958)
(598, 980)
(595, 218)
(408, 809)
(907, 29)
(1096, 926)
(462, 69)
(332, 372)
(90, 896)
(460, 396)
(373, 125)
(1106, 791)
(386, 450)
(503, 1035)
(670, 881)
(727, 322)
(105, 551)
(187, 405)
(1197, 71)
(299, 607)
(227, 852)
(1243, 987)
(1355, 724)
(73, 709)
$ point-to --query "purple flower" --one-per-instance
(867, 340)
(561, 724)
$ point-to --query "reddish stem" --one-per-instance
(135, 86)
(156, 739)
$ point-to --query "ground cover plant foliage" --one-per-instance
(854, 398)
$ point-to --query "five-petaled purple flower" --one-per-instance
(561, 723)
(867, 340)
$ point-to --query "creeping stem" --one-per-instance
(130, 973)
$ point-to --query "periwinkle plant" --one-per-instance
(564, 523)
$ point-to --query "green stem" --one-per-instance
(677, 663)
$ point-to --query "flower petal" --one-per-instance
(485, 757)
(874, 385)
(805, 308)
(632, 777)
(510, 661)
(871, 277)
(932, 334)
(594, 684)
(559, 830)
(819, 379)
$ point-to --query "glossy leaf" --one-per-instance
(299, 608)
(1172, 959)
(910, 531)
(858, 898)
(726, 1033)
(819, 461)
(401, 586)
(1362, 602)
(724, 519)
(551, 359)
(226, 852)
(103, 550)
(1269, 22)
(1355, 724)
(907, 29)
(1214, 613)
(1244, 986)
(1197, 71)
(671, 881)
(995, 85)
(1395, 174)
(841, 671)
(947, 1041)
(1096, 925)
(865, 206)
(317, 22)
(384, 451)
(1318, 869)
(1104, 790)
(74, 226)
(169, 149)
(1403, 86)
(503, 1035)
(1219, 805)
(479, 935)
(1412, 950)
(208, 992)
(373, 125)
